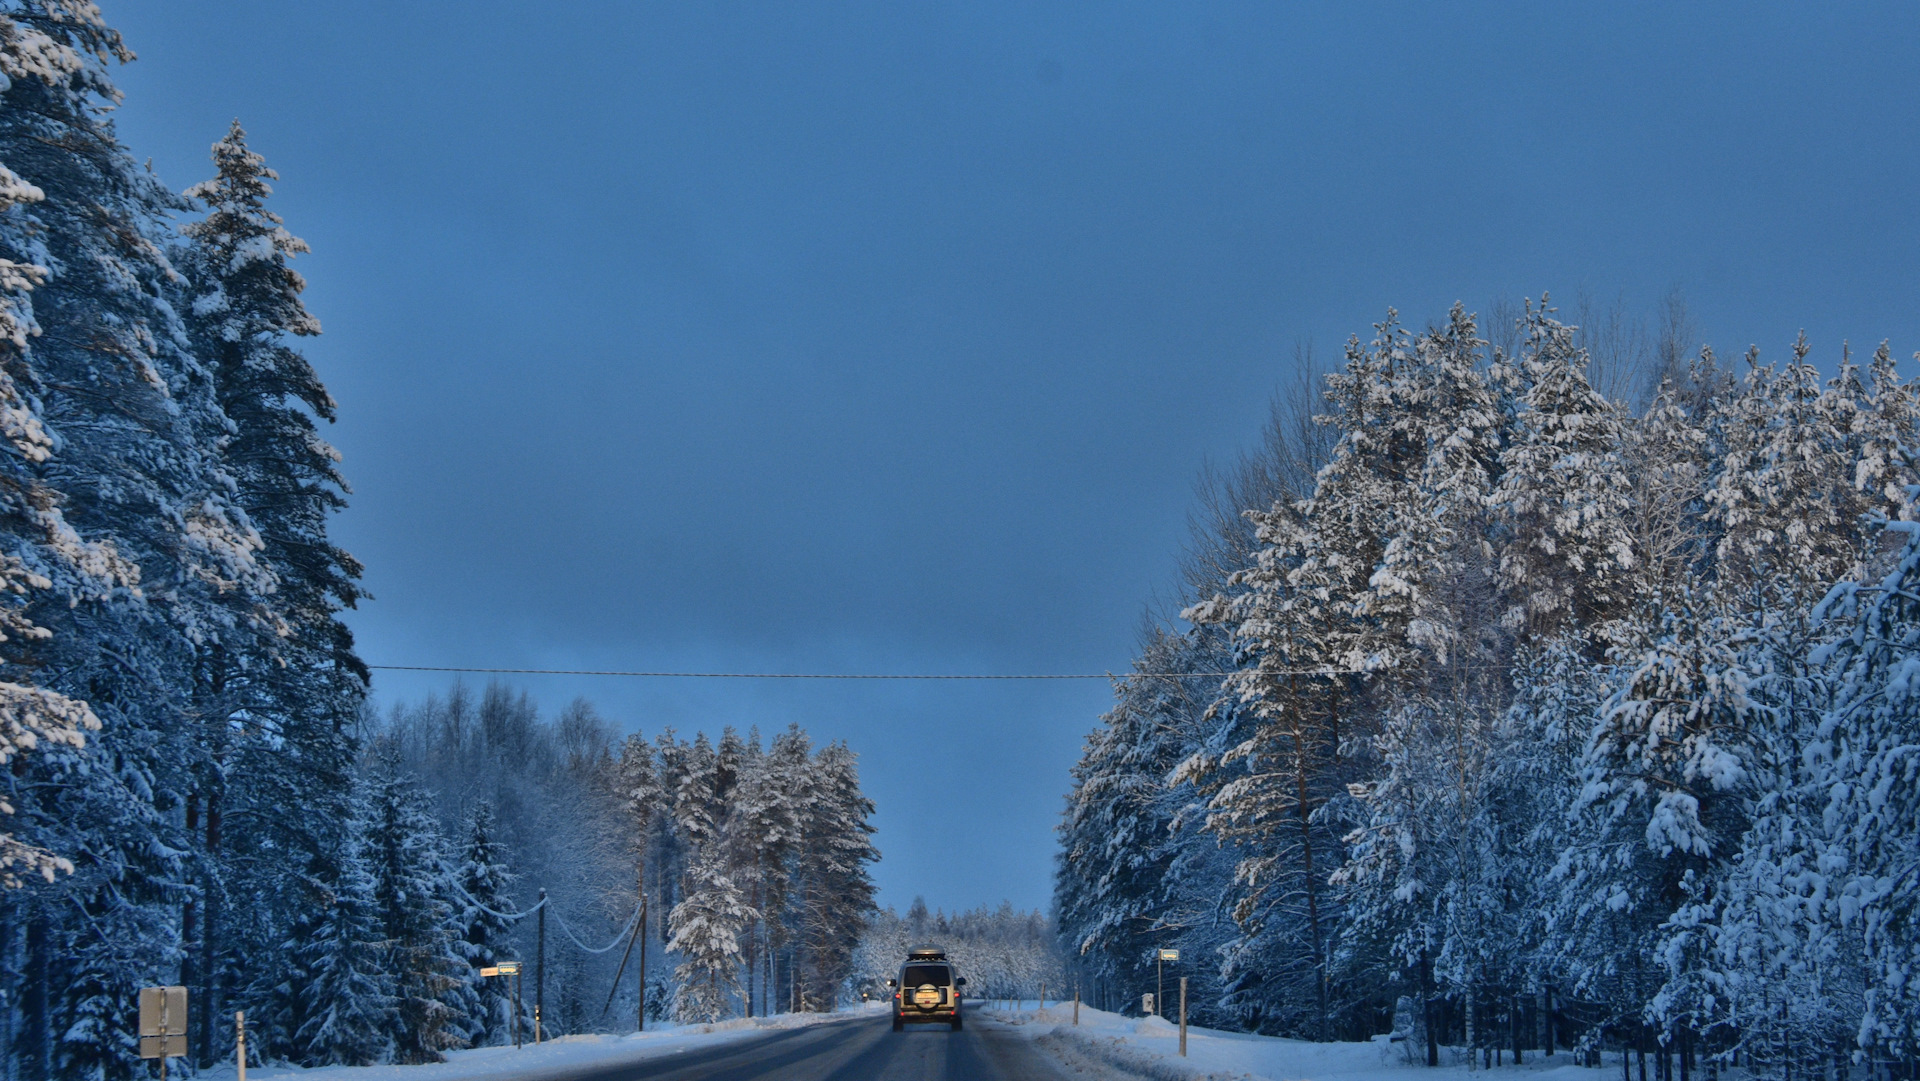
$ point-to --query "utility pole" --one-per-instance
(540, 972)
(643, 953)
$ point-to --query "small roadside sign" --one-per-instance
(163, 1022)
(1169, 955)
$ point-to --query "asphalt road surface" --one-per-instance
(862, 1050)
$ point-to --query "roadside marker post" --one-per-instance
(1076, 1005)
(1183, 1017)
(540, 970)
(240, 1044)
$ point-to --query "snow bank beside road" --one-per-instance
(558, 1057)
(1104, 1044)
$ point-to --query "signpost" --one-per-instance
(511, 970)
(1160, 972)
(163, 1024)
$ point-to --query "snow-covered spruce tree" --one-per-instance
(346, 997)
(1131, 874)
(1531, 783)
(706, 929)
(283, 697)
(38, 543)
(404, 853)
(129, 408)
(1425, 881)
(1857, 843)
(789, 764)
(1293, 615)
(766, 827)
(484, 915)
(1784, 490)
(1666, 793)
(833, 891)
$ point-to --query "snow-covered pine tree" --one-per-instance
(285, 695)
(485, 912)
(1861, 777)
(1564, 491)
(409, 870)
(787, 765)
(834, 891)
(38, 542)
(1453, 425)
(1783, 497)
(131, 410)
(765, 828)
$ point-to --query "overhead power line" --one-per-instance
(865, 675)
(774, 675)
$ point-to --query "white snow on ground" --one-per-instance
(1110, 1045)
(558, 1057)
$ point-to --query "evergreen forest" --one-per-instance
(198, 790)
(1538, 684)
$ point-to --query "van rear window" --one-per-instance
(919, 974)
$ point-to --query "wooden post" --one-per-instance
(1076, 1005)
(1183, 1017)
(540, 973)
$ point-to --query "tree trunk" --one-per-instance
(1546, 1019)
(1313, 892)
(1513, 1031)
(1471, 1047)
(1426, 1009)
(211, 1005)
(36, 1037)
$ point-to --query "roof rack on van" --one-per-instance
(927, 953)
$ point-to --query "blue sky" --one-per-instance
(890, 337)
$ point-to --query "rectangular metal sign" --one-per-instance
(1169, 955)
(510, 968)
(163, 1046)
(163, 1022)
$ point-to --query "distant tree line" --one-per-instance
(1003, 952)
(1554, 687)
